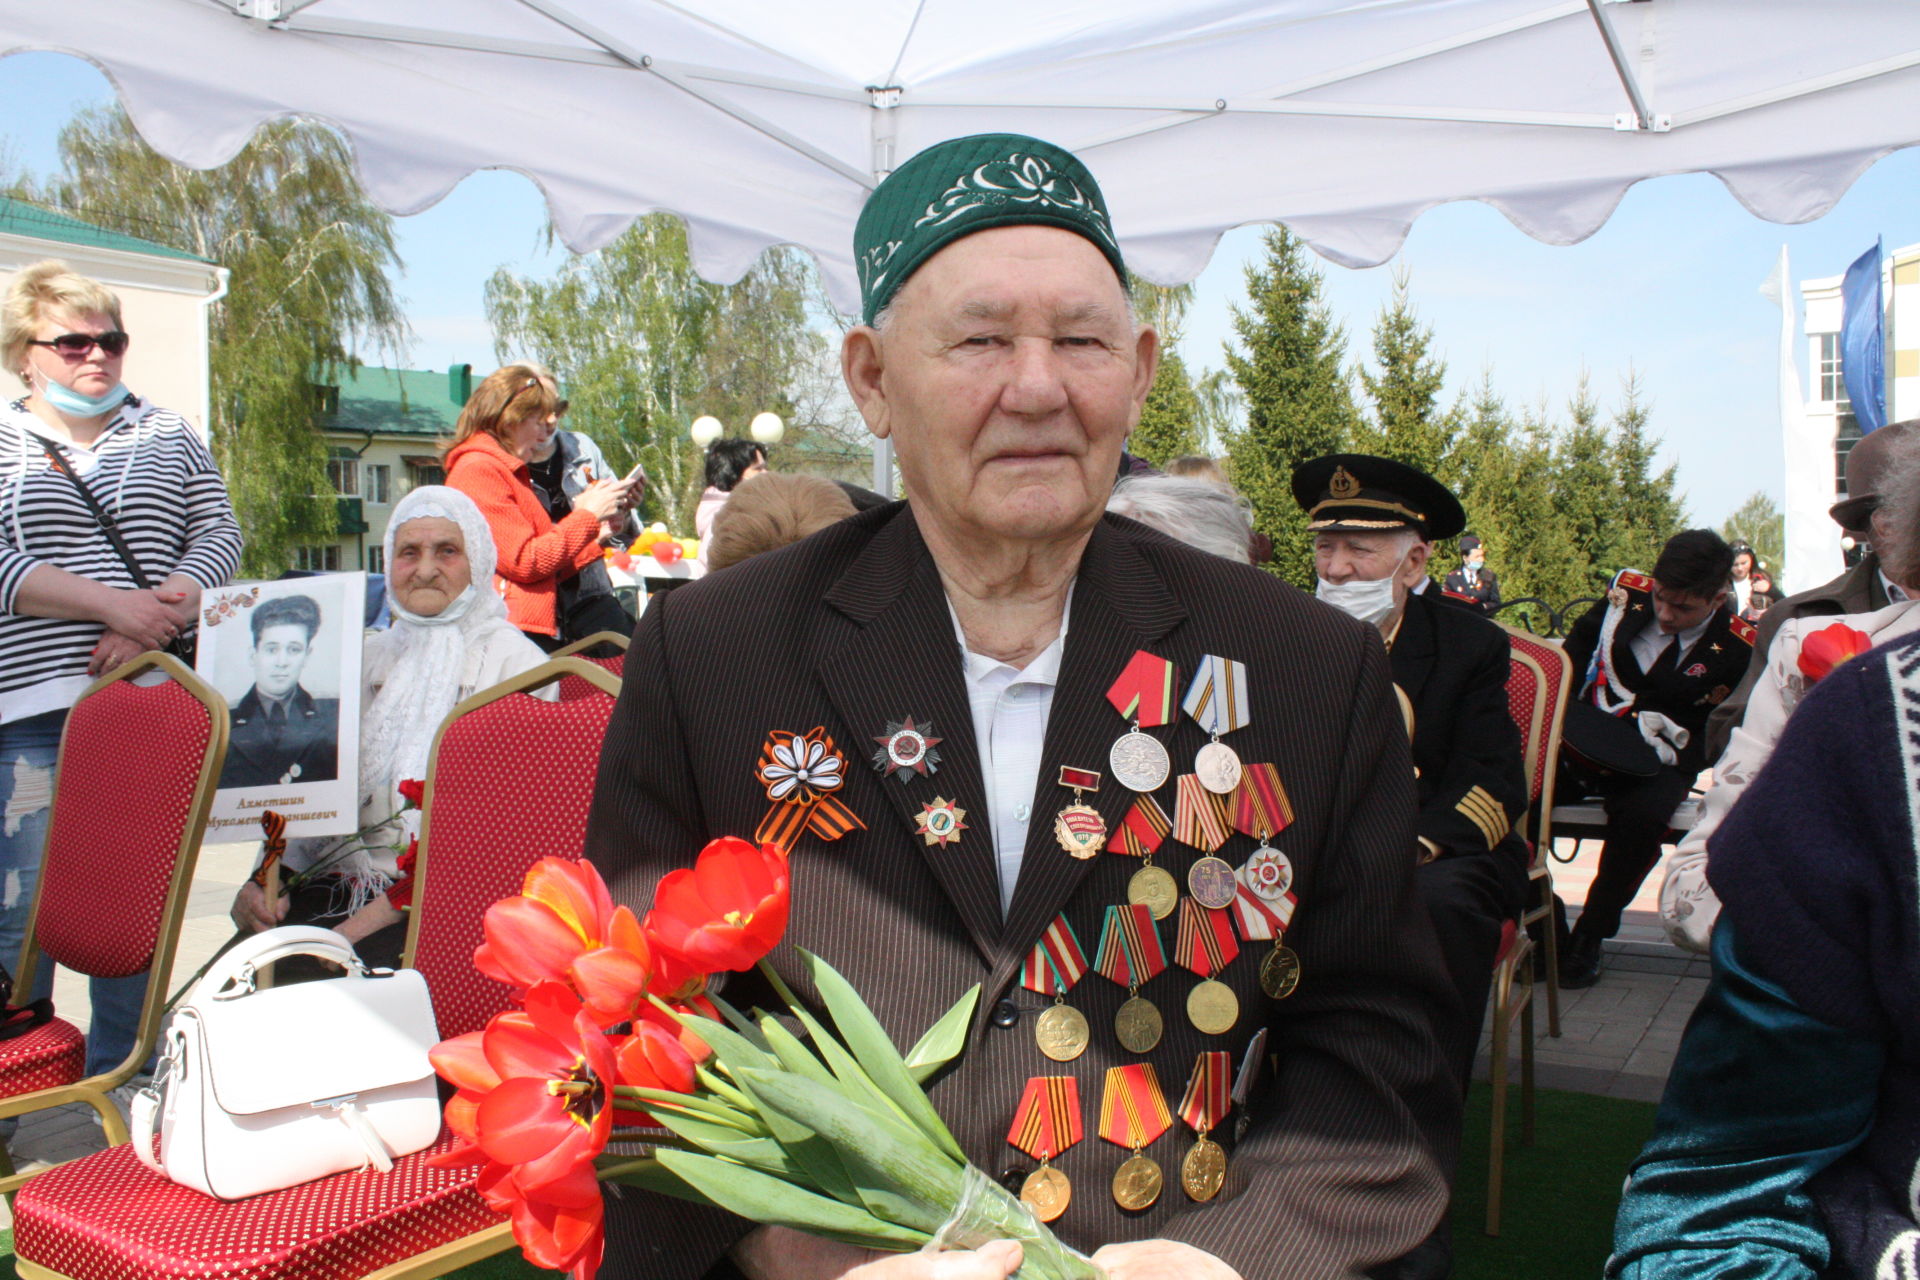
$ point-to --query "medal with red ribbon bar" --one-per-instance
(1133, 1113)
(1218, 702)
(1132, 955)
(1079, 827)
(799, 771)
(1047, 1123)
(1261, 916)
(1138, 835)
(1205, 944)
(1054, 965)
(1204, 1171)
(1199, 815)
(1142, 695)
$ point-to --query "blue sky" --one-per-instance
(1667, 288)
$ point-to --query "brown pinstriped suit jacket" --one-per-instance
(849, 630)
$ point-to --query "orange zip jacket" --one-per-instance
(535, 553)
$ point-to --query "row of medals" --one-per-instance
(1140, 763)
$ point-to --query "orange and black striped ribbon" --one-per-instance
(1217, 696)
(1056, 962)
(1142, 830)
(1131, 952)
(273, 827)
(1260, 804)
(1133, 1111)
(1199, 816)
(805, 807)
(1205, 943)
(1207, 1102)
(1048, 1121)
(1144, 691)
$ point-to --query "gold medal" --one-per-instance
(1138, 1026)
(1204, 1171)
(1062, 1033)
(1136, 1184)
(1280, 972)
(1047, 1192)
(1079, 827)
(1156, 888)
(1212, 1008)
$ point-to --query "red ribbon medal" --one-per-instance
(1260, 804)
(799, 771)
(1142, 830)
(1131, 952)
(1047, 1123)
(1199, 815)
(1205, 1105)
(1144, 691)
(1133, 1113)
(1056, 962)
(1206, 945)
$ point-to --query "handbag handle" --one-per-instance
(266, 947)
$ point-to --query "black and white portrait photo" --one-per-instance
(286, 656)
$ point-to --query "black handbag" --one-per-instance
(187, 643)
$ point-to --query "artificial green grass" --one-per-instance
(1557, 1223)
(1561, 1193)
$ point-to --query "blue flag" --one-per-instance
(1863, 341)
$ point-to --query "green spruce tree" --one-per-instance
(1288, 362)
(1587, 500)
(1650, 510)
(1408, 423)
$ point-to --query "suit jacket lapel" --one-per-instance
(1415, 646)
(903, 660)
(1119, 605)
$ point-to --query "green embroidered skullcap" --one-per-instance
(966, 185)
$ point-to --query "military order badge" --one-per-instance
(907, 750)
(1079, 827)
(940, 822)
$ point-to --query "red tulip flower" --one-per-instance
(558, 1226)
(727, 912)
(652, 1058)
(553, 1108)
(564, 928)
(1830, 646)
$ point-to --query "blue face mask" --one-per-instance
(73, 404)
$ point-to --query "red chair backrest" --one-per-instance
(572, 687)
(510, 783)
(114, 836)
(1537, 678)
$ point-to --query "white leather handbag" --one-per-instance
(263, 1089)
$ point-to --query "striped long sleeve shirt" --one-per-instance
(152, 473)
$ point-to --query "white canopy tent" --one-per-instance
(767, 121)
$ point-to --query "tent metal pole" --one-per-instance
(1643, 117)
(1802, 88)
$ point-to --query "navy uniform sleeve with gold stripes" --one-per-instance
(1472, 783)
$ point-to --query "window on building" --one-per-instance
(1845, 438)
(345, 475)
(376, 559)
(317, 559)
(1832, 386)
(419, 473)
(377, 478)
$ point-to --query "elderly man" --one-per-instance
(1374, 522)
(1656, 656)
(1862, 589)
(1039, 641)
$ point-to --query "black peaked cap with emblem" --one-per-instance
(1360, 493)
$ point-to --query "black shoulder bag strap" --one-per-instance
(181, 646)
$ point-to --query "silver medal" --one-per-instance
(1139, 761)
(1218, 768)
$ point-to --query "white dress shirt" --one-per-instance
(1010, 707)
(1652, 642)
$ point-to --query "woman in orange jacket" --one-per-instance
(504, 421)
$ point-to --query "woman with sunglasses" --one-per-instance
(71, 604)
(507, 420)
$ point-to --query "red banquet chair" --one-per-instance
(509, 782)
(572, 686)
(1537, 678)
(121, 848)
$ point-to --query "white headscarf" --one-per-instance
(430, 653)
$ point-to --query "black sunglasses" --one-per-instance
(113, 343)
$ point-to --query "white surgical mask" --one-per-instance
(1370, 601)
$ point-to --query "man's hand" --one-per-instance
(113, 650)
(252, 912)
(781, 1253)
(1161, 1260)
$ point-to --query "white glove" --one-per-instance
(1665, 737)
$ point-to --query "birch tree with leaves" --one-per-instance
(311, 286)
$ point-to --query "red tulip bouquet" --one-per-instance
(616, 1038)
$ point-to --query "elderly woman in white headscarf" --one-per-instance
(450, 638)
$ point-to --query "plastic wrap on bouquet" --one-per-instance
(987, 1211)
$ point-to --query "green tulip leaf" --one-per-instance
(760, 1198)
(944, 1039)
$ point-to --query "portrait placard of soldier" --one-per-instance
(286, 656)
